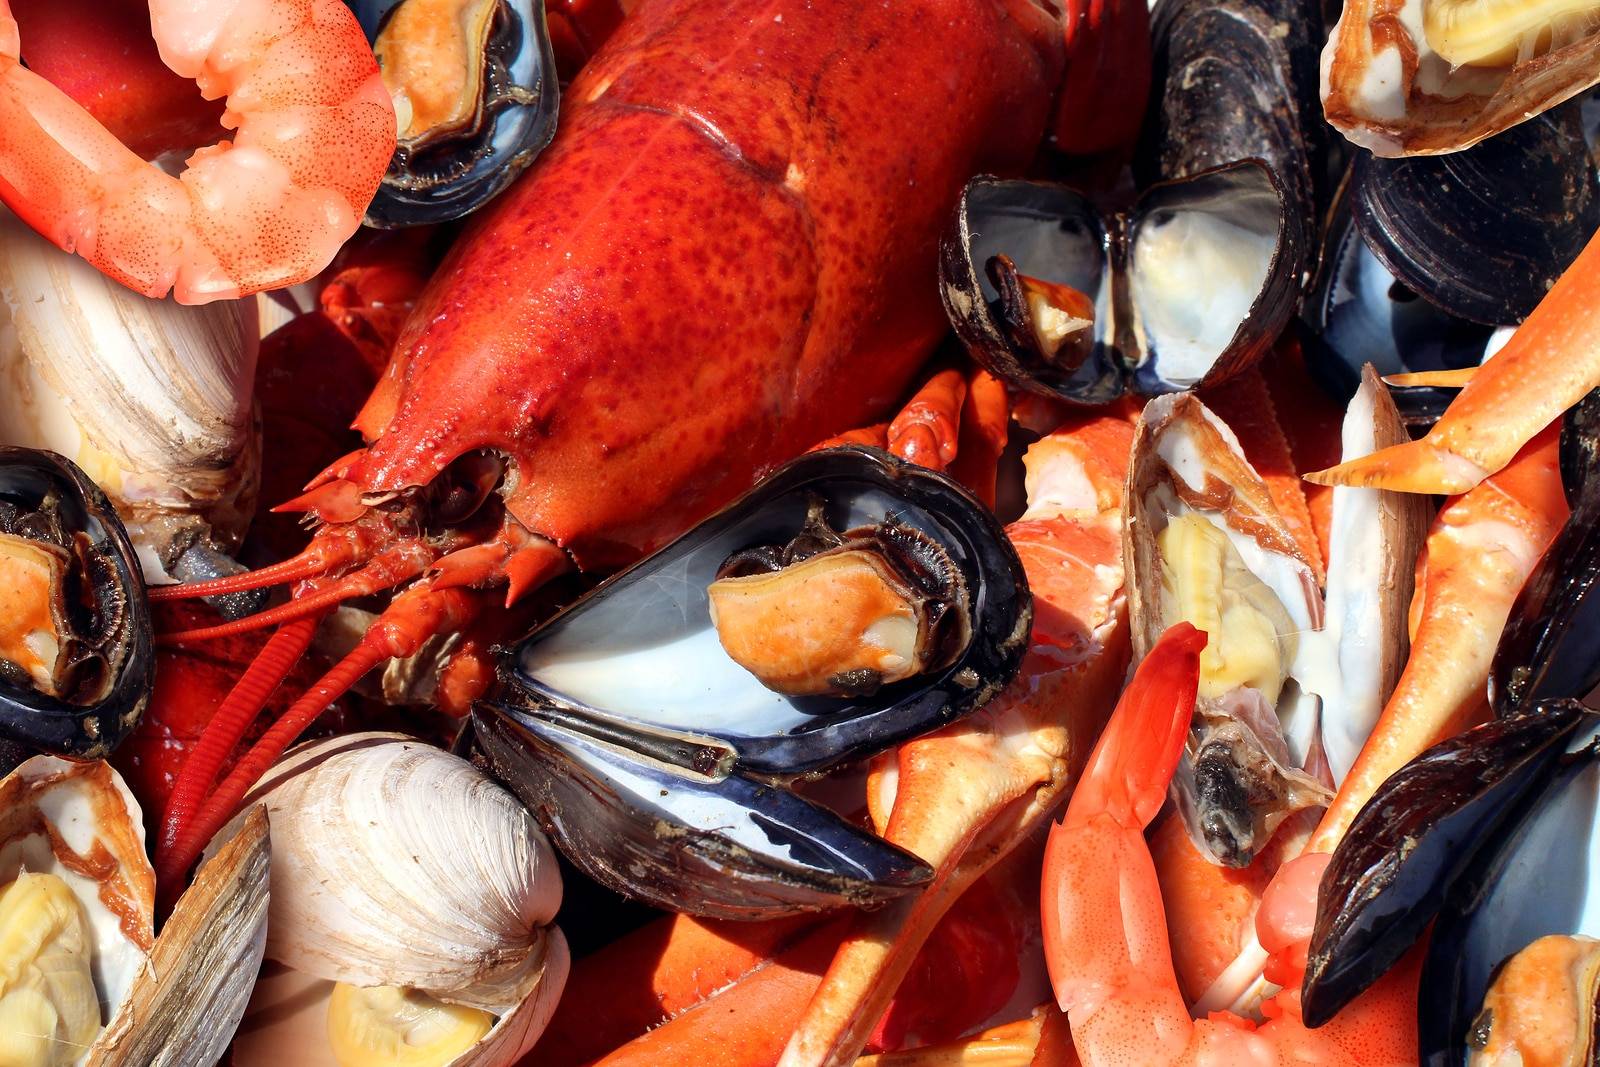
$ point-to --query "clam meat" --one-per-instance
(1430, 76)
(1290, 682)
(848, 602)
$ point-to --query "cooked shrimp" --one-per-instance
(314, 132)
(1105, 933)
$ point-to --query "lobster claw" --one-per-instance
(659, 761)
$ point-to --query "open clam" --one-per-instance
(475, 94)
(75, 640)
(1430, 76)
(85, 979)
(1291, 682)
(655, 742)
(412, 904)
(1190, 285)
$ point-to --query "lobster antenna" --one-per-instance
(308, 564)
(416, 615)
(226, 726)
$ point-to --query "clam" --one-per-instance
(1065, 297)
(656, 742)
(475, 94)
(151, 398)
(1290, 683)
(86, 981)
(1430, 76)
(75, 641)
(413, 900)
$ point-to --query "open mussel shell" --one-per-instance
(466, 136)
(1357, 312)
(1413, 841)
(732, 847)
(1580, 445)
(50, 509)
(1536, 875)
(626, 708)
(1006, 228)
(1189, 287)
(1214, 271)
(1550, 647)
(1483, 233)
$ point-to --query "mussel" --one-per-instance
(1193, 282)
(76, 663)
(476, 98)
(1430, 261)
(660, 763)
(1286, 674)
(1429, 76)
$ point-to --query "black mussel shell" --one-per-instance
(1004, 228)
(1483, 233)
(1550, 648)
(730, 847)
(1534, 876)
(1413, 840)
(1239, 79)
(1356, 312)
(634, 676)
(1214, 272)
(1189, 287)
(110, 598)
(1580, 445)
(458, 173)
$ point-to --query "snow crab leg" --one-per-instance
(314, 130)
(1548, 365)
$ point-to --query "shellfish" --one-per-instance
(658, 762)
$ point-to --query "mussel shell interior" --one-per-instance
(31, 718)
(1539, 875)
(640, 650)
(1357, 313)
(517, 119)
(1052, 233)
(1483, 233)
(724, 848)
(1210, 276)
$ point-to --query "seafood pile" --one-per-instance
(799, 532)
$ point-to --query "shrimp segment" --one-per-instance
(314, 131)
(1105, 933)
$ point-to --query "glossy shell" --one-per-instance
(656, 762)
(444, 177)
(119, 618)
(1483, 233)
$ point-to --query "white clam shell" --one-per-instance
(396, 863)
(151, 398)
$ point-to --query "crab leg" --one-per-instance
(1548, 365)
(1480, 551)
(966, 796)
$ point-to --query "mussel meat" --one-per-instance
(476, 99)
(75, 641)
(1430, 76)
(1063, 297)
(1284, 686)
(658, 762)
